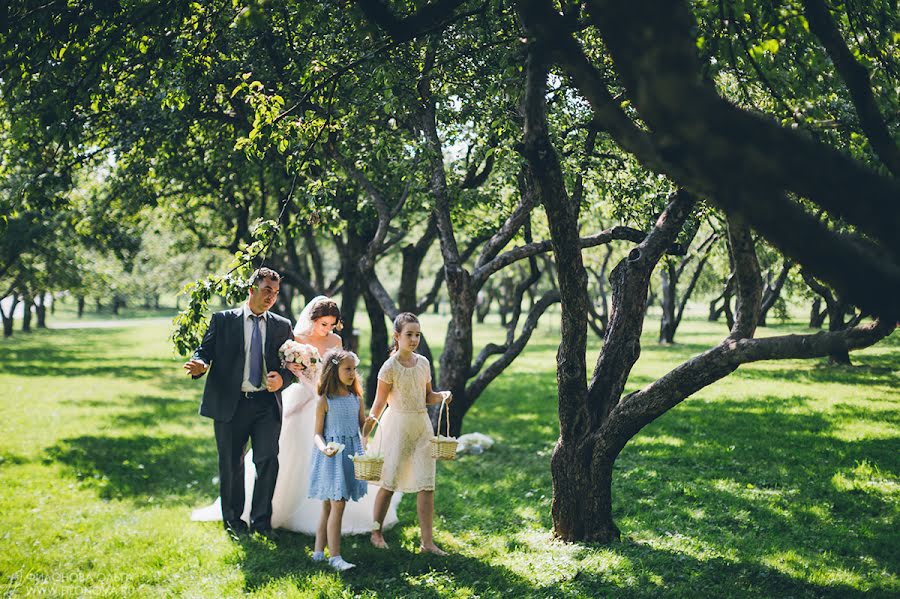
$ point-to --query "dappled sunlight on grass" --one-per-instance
(781, 480)
(866, 478)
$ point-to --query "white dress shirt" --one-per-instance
(246, 385)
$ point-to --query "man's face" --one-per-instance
(263, 295)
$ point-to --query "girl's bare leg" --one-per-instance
(425, 511)
(322, 530)
(382, 501)
(334, 527)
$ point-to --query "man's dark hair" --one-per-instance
(263, 273)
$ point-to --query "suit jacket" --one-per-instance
(223, 349)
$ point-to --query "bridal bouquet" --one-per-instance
(307, 356)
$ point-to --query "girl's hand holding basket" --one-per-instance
(368, 465)
(443, 447)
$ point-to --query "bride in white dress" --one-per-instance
(292, 509)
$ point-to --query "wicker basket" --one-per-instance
(369, 469)
(444, 449)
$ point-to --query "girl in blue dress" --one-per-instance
(340, 413)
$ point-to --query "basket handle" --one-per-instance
(444, 407)
(377, 424)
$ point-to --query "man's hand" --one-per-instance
(273, 381)
(448, 397)
(195, 367)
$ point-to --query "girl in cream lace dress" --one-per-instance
(404, 384)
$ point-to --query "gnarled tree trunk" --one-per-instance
(773, 291)
(26, 312)
(7, 316)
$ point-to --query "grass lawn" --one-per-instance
(781, 481)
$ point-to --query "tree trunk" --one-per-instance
(26, 312)
(349, 301)
(483, 305)
(773, 291)
(284, 303)
(668, 285)
(582, 496)
(457, 356)
(836, 307)
(729, 314)
(40, 310)
(817, 314)
(378, 344)
(836, 323)
(8, 318)
(80, 306)
(716, 310)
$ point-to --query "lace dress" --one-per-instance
(405, 433)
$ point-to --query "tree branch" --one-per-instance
(856, 77)
(630, 280)
(747, 278)
(643, 407)
(477, 386)
(407, 28)
(619, 232)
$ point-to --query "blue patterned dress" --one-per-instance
(333, 478)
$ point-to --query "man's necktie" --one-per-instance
(256, 355)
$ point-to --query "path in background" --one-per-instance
(107, 324)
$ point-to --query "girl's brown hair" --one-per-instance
(329, 381)
(403, 319)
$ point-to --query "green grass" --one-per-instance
(782, 480)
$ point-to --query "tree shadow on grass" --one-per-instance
(146, 411)
(763, 481)
(142, 468)
(97, 367)
(642, 571)
(751, 478)
(868, 370)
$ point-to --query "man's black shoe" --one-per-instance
(235, 528)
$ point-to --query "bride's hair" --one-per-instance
(403, 319)
(325, 307)
(329, 381)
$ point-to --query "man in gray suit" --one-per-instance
(243, 397)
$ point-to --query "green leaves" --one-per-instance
(769, 46)
(189, 324)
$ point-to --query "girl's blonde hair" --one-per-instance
(402, 319)
(329, 381)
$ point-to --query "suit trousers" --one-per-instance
(258, 420)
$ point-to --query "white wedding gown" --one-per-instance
(291, 508)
